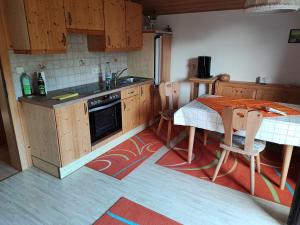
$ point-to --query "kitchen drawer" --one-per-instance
(130, 92)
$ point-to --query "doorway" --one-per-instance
(6, 169)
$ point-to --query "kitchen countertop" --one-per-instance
(87, 91)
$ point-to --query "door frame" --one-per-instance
(10, 107)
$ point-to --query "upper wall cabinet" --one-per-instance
(84, 16)
(134, 18)
(36, 26)
(123, 27)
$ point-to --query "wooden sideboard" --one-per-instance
(272, 92)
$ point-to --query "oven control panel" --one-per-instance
(103, 100)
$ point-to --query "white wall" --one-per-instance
(243, 45)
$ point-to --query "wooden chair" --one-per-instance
(169, 94)
(242, 120)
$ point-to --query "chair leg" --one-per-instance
(252, 174)
(160, 125)
(226, 156)
(258, 163)
(219, 165)
(169, 132)
(205, 133)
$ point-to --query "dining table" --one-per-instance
(283, 130)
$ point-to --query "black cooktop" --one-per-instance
(92, 88)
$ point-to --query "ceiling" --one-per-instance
(163, 7)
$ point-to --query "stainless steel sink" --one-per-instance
(130, 80)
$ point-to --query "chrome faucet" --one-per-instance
(118, 74)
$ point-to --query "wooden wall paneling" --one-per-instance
(163, 7)
(42, 133)
(134, 19)
(166, 57)
(16, 24)
(141, 63)
(57, 33)
(10, 114)
(114, 14)
(96, 15)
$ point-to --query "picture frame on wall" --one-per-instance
(294, 36)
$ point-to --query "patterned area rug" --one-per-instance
(125, 211)
(235, 173)
(124, 158)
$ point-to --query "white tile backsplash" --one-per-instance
(78, 66)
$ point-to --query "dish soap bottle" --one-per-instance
(107, 73)
(42, 84)
(26, 84)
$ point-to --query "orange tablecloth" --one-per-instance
(219, 103)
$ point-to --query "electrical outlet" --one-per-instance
(20, 70)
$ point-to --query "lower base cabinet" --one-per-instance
(58, 136)
(130, 113)
(137, 106)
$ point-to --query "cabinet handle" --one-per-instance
(131, 92)
(142, 92)
(70, 18)
(108, 40)
(124, 105)
(64, 39)
(85, 108)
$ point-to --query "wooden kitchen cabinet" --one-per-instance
(146, 103)
(84, 16)
(123, 27)
(36, 26)
(73, 131)
(58, 136)
(130, 113)
(114, 38)
(134, 18)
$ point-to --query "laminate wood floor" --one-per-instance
(33, 197)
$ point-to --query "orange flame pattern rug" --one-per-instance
(119, 161)
(125, 211)
(235, 173)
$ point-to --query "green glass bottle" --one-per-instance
(42, 84)
(26, 84)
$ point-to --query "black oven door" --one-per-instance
(105, 120)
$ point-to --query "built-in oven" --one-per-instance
(105, 116)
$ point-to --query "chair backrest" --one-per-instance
(240, 119)
(169, 95)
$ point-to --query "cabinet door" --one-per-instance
(114, 17)
(37, 23)
(73, 131)
(76, 14)
(130, 113)
(96, 15)
(134, 17)
(145, 103)
(57, 28)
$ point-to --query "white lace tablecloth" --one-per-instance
(280, 130)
